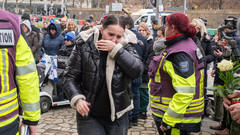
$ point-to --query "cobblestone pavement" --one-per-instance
(62, 121)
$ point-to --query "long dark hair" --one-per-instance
(113, 20)
(181, 22)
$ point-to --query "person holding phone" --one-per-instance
(221, 51)
(98, 78)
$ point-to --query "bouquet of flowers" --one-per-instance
(226, 73)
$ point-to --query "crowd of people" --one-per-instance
(112, 72)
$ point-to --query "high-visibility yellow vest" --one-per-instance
(18, 74)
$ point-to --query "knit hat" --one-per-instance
(70, 36)
(28, 24)
(25, 16)
(91, 17)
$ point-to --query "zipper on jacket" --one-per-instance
(3, 20)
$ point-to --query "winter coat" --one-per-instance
(37, 30)
(32, 40)
(44, 32)
(81, 77)
(151, 53)
(207, 47)
(63, 55)
(34, 45)
(51, 44)
(154, 32)
(141, 46)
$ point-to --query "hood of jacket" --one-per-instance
(58, 30)
(28, 24)
(128, 36)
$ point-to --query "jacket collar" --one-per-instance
(175, 40)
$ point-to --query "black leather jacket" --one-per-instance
(82, 74)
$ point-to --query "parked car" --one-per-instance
(149, 16)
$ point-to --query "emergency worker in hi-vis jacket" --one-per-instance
(176, 80)
(18, 78)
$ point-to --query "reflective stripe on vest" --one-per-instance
(8, 96)
(201, 84)
(157, 75)
(32, 107)
(23, 70)
(4, 72)
(8, 107)
(195, 106)
(159, 106)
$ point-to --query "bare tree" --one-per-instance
(17, 6)
(220, 4)
(5, 5)
(30, 6)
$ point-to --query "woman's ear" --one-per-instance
(101, 30)
(173, 28)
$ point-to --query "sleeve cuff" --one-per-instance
(165, 125)
(27, 122)
(75, 99)
(115, 50)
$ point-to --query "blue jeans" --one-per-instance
(99, 126)
(133, 114)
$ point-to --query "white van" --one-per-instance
(149, 16)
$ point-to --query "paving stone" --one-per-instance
(41, 126)
(40, 130)
(148, 124)
(135, 133)
(56, 128)
(58, 121)
(65, 125)
(148, 132)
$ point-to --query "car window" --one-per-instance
(163, 20)
(142, 19)
(153, 18)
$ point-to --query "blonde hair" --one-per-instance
(198, 23)
(145, 27)
(70, 22)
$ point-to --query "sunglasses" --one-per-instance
(67, 40)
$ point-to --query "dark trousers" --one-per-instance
(133, 114)
(227, 119)
(219, 109)
(235, 128)
(144, 99)
(10, 129)
(172, 131)
(99, 126)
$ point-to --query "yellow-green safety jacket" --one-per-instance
(18, 74)
(176, 85)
